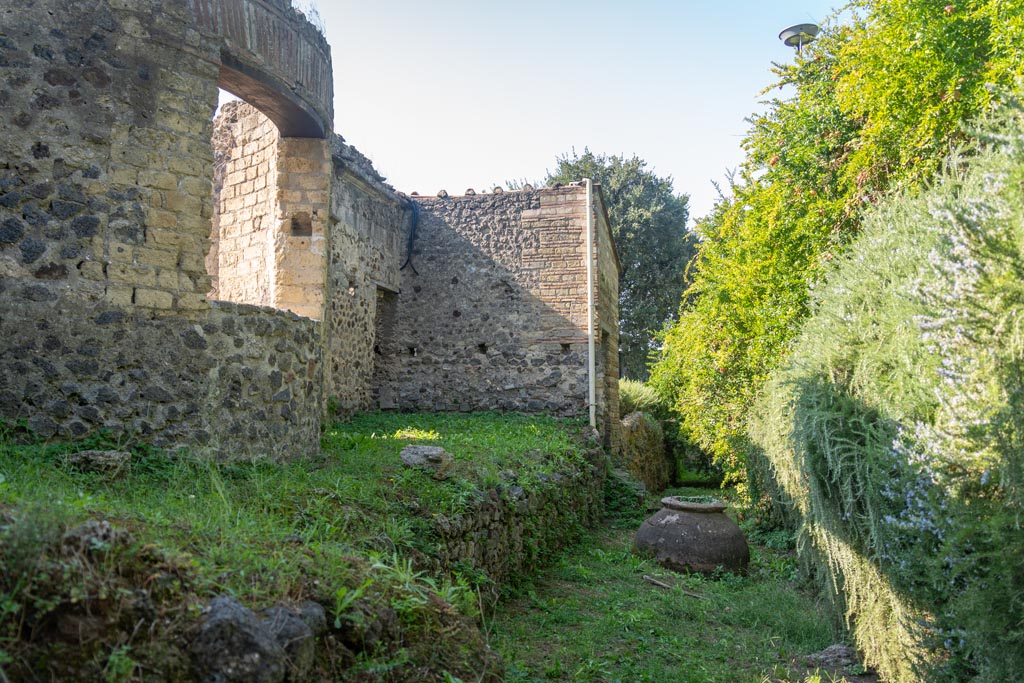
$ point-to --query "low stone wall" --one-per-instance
(239, 380)
(510, 530)
(643, 451)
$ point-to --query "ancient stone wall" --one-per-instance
(643, 451)
(509, 532)
(105, 208)
(607, 329)
(300, 244)
(369, 223)
(492, 312)
(110, 247)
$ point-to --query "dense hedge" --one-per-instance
(877, 101)
(895, 430)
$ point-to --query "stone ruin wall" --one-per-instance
(137, 300)
(105, 210)
(606, 325)
(493, 308)
(369, 227)
(244, 206)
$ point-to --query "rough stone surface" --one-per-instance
(104, 462)
(134, 302)
(509, 532)
(233, 646)
(432, 459)
(252, 389)
(314, 616)
(294, 636)
(369, 224)
(643, 451)
(493, 309)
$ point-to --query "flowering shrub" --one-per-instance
(895, 430)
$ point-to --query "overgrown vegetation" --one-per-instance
(594, 617)
(877, 103)
(895, 429)
(352, 530)
(635, 395)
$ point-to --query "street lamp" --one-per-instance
(799, 35)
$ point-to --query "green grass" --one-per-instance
(242, 521)
(350, 527)
(593, 617)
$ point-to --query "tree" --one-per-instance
(878, 104)
(649, 225)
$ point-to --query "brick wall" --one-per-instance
(270, 214)
(299, 244)
(245, 216)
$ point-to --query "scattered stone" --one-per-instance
(834, 657)
(95, 536)
(432, 459)
(109, 463)
(315, 617)
(294, 636)
(233, 646)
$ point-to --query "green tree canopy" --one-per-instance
(878, 103)
(649, 224)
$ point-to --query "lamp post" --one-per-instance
(799, 35)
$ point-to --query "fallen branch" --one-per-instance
(662, 584)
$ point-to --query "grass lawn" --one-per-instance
(594, 617)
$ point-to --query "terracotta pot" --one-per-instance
(695, 537)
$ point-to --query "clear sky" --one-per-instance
(451, 94)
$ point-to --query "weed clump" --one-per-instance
(75, 598)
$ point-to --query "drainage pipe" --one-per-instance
(591, 355)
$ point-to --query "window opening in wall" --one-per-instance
(302, 225)
(267, 189)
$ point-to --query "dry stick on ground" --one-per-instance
(662, 584)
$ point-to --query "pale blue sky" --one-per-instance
(452, 95)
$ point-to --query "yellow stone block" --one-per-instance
(131, 274)
(153, 298)
(92, 270)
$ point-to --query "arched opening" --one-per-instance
(271, 190)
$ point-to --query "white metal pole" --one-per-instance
(591, 355)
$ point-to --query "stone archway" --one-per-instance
(275, 60)
(268, 234)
